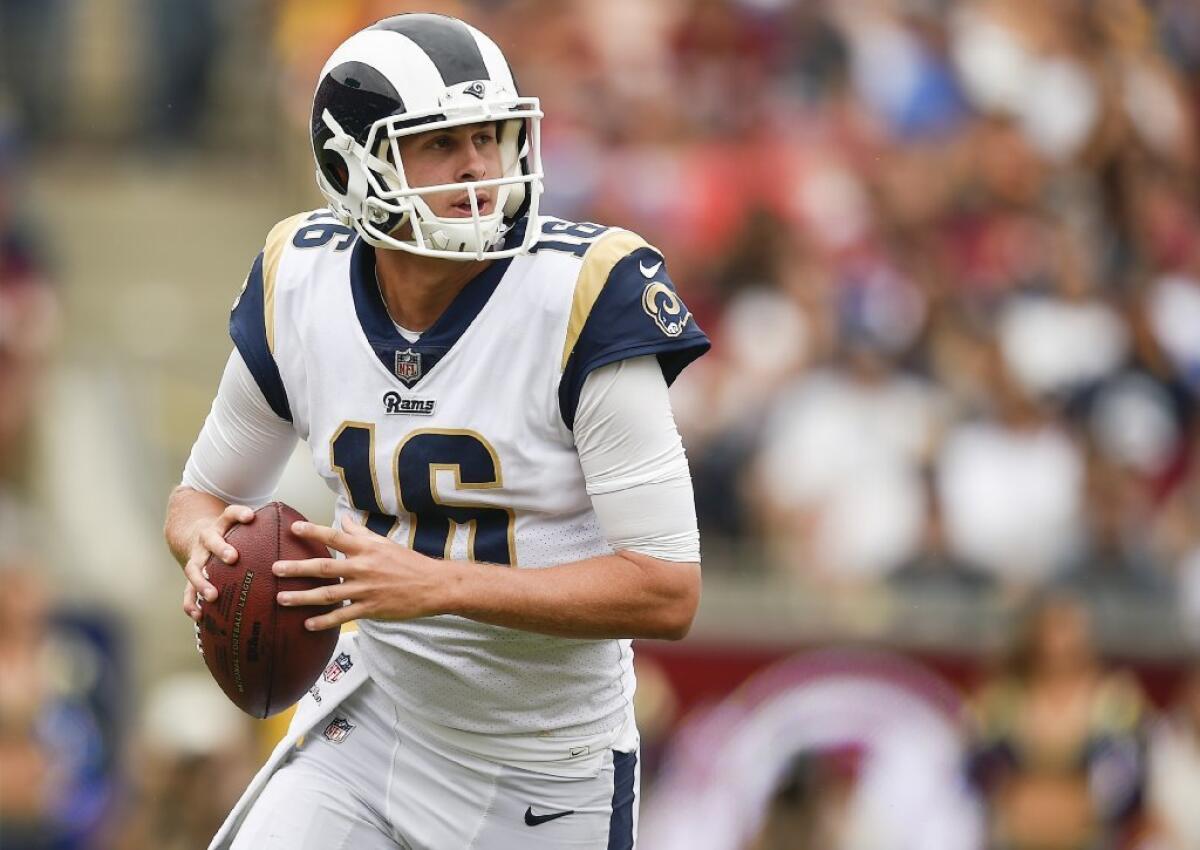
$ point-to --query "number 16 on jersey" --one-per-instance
(417, 461)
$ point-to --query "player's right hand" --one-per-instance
(210, 540)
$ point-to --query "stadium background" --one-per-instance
(945, 447)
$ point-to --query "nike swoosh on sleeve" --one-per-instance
(649, 271)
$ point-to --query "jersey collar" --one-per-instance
(409, 362)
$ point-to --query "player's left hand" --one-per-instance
(382, 580)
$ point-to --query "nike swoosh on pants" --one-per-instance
(536, 820)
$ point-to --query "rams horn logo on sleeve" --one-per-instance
(664, 306)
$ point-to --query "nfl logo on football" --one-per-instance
(337, 667)
(408, 365)
(338, 730)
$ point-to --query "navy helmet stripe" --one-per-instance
(620, 824)
(358, 95)
(446, 41)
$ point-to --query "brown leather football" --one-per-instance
(259, 652)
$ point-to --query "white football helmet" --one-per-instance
(411, 74)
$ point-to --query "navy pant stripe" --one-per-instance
(620, 827)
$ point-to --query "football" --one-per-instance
(258, 651)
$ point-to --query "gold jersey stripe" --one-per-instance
(276, 240)
(598, 262)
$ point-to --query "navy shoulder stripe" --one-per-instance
(636, 312)
(248, 328)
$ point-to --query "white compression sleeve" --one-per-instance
(243, 447)
(633, 461)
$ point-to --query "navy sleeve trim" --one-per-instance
(248, 328)
(636, 314)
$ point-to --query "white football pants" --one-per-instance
(362, 782)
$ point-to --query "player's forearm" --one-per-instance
(615, 596)
(186, 509)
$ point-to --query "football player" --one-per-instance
(485, 391)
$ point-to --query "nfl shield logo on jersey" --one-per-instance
(408, 366)
(338, 730)
(337, 667)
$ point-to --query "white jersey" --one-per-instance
(459, 445)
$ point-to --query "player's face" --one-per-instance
(453, 155)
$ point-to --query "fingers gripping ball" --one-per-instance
(259, 652)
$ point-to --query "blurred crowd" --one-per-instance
(948, 252)
(852, 750)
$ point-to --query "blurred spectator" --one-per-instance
(764, 338)
(840, 467)
(812, 809)
(899, 71)
(1058, 740)
(1012, 488)
(1174, 781)
(182, 38)
(1019, 60)
(1063, 340)
(656, 705)
(195, 754)
(63, 699)
(1174, 305)
(934, 572)
(1138, 417)
(28, 312)
(36, 62)
(1116, 564)
(1175, 537)
(1179, 30)
(27, 773)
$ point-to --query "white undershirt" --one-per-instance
(629, 448)
(411, 336)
